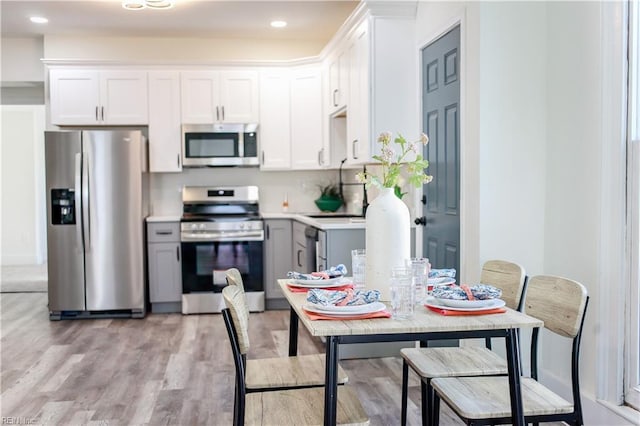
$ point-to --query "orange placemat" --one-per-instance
(295, 289)
(451, 312)
(314, 316)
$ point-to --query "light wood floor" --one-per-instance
(161, 370)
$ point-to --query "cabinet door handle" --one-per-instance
(262, 160)
(178, 158)
(217, 113)
(335, 92)
(222, 112)
(178, 253)
(353, 149)
(102, 113)
(299, 253)
(164, 232)
(97, 113)
(320, 157)
(268, 232)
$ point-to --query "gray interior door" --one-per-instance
(441, 116)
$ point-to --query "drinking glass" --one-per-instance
(358, 265)
(420, 272)
(403, 294)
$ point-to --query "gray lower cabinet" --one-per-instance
(300, 252)
(277, 259)
(164, 263)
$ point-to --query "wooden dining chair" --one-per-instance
(561, 303)
(288, 390)
(430, 363)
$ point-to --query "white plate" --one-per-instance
(464, 305)
(345, 310)
(442, 281)
(332, 282)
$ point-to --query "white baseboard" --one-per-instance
(595, 412)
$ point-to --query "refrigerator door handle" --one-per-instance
(86, 214)
(78, 199)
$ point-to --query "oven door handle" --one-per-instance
(221, 237)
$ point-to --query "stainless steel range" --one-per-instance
(221, 228)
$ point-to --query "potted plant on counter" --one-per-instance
(330, 198)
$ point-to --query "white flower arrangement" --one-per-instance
(395, 165)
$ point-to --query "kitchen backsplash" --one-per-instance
(300, 187)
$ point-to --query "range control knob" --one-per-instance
(201, 227)
(194, 227)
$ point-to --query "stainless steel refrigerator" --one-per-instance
(96, 205)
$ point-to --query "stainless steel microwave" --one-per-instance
(222, 144)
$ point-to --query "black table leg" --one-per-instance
(513, 362)
(293, 332)
(331, 382)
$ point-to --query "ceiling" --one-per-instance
(307, 20)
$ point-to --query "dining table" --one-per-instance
(425, 325)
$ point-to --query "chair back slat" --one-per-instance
(507, 276)
(559, 302)
(235, 300)
(234, 278)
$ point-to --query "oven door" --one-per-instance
(204, 264)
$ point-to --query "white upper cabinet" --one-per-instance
(338, 80)
(307, 142)
(274, 131)
(219, 97)
(358, 117)
(165, 136)
(383, 89)
(115, 97)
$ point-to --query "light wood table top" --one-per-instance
(424, 321)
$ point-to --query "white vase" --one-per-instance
(388, 240)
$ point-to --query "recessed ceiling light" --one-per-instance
(278, 24)
(38, 20)
(151, 4)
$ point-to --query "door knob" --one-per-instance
(421, 221)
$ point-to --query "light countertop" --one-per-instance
(325, 223)
(163, 218)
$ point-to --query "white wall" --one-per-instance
(512, 132)
(21, 59)
(167, 50)
(22, 159)
(533, 140)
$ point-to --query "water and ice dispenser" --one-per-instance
(63, 207)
